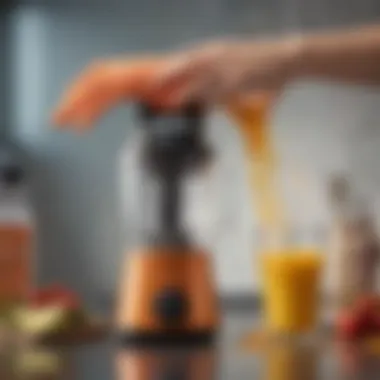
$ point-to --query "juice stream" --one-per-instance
(290, 274)
(251, 117)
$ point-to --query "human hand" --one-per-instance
(219, 72)
(211, 74)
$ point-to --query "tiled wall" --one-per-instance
(318, 128)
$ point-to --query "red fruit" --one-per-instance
(68, 301)
(348, 326)
(367, 305)
(368, 310)
(376, 322)
(55, 294)
(373, 322)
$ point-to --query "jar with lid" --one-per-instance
(355, 245)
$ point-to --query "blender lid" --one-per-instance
(174, 140)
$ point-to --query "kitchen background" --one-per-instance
(319, 129)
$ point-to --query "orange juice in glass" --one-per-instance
(291, 281)
(291, 276)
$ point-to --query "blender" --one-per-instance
(167, 292)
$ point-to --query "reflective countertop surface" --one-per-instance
(227, 360)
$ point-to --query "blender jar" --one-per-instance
(170, 188)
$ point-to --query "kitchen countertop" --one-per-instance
(228, 360)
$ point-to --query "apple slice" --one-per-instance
(41, 321)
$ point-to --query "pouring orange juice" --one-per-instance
(291, 274)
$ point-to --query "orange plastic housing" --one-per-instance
(148, 273)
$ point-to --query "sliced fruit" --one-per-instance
(41, 321)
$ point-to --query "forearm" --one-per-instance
(351, 56)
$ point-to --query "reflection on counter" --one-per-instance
(354, 361)
(34, 363)
(291, 361)
(169, 364)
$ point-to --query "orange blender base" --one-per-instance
(167, 296)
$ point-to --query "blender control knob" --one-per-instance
(170, 306)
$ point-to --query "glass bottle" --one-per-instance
(16, 228)
(355, 246)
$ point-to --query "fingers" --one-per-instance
(199, 90)
(166, 82)
(77, 93)
(177, 71)
(101, 87)
(105, 92)
(87, 115)
(182, 78)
